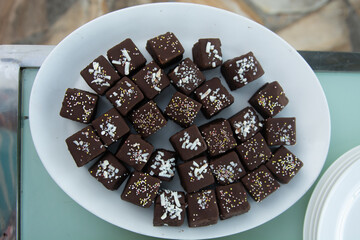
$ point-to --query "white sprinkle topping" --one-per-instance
(126, 54)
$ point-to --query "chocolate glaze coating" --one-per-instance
(207, 53)
(169, 208)
(280, 131)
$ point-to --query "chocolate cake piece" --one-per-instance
(186, 77)
(188, 143)
(227, 169)
(254, 152)
(207, 53)
(147, 119)
(245, 124)
(269, 100)
(242, 70)
(162, 164)
(110, 126)
(151, 79)
(79, 105)
(260, 183)
(284, 165)
(195, 174)
(125, 95)
(280, 131)
(232, 200)
(100, 75)
(182, 109)
(126, 57)
(202, 208)
(169, 208)
(85, 145)
(165, 49)
(214, 97)
(218, 136)
(141, 189)
(109, 171)
(135, 152)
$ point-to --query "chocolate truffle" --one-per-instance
(207, 53)
(147, 119)
(202, 208)
(165, 49)
(186, 76)
(232, 200)
(284, 165)
(109, 171)
(79, 105)
(162, 164)
(188, 143)
(135, 152)
(269, 100)
(280, 131)
(169, 208)
(151, 79)
(85, 145)
(182, 109)
(242, 70)
(141, 189)
(100, 75)
(195, 174)
(125, 95)
(126, 57)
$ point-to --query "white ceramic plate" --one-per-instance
(189, 22)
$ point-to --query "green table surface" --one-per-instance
(48, 213)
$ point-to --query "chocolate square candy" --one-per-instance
(186, 76)
(126, 57)
(135, 152)
(254, 152)
(242, 70)
(280, 131)
(182, 109)
(109, 171)
(169, 208)
(162, 164)
(218, 136)
(195, 174)
(151, 79)
(85, 145)
(110, 126)
(207, 53)
(214, 97)
(165, 49)
(141, 189)
(188, 143)
(147, 119)
(79, 105)
(232, 200)
(260, 183)
(227, 168)
(269, 100)
(284, 165)
(100, 75)
(202, 208)
(125, 95)
(245, 124)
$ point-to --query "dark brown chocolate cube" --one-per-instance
(169, 208)
(162, 164)
(207, 53)
(126, 57)
(242, 70)
(147, 119)
(232, 200)
(151, 79)
(214, 97)
(284, 165)
(85, 145)
(260, 183)
(79, 105)
(269, 100)
(280, 131)
(195, 174)
(100, 75)
(182, 109)
(141, 189)
(202, 208)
